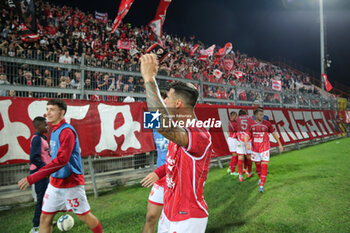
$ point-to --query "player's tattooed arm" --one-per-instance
(149, 68)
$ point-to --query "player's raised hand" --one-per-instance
(149, 180)
(149, 66)
(23, 184)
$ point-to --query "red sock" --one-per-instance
(245, 163)
(233, 163)
(97, 229)
(249, 161)
(240, 165)
(258, 168)
(263, 174)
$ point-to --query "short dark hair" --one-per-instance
(163, 94)
(242, 112)
(37, 120)
(58, 102)
(187, 91)
(258, 109)
(233, 113)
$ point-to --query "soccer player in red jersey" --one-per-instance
(232, 143)
(259, 131)
(188, 156)
(66, 190)
(242, 123)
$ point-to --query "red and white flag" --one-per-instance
(203, 58)
(217, 73)
(276, 85)
(101, 16)
(225, 50)
(123, 10)
(238, 74)
(194, 49)
(327, 83)
(207, 52)
(157, 23)
(228, 63)
(125, 44)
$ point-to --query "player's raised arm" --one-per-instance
(149, 69)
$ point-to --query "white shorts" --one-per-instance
(232, 144)
(65, 199)
(241, 149)
(263, 156)
(192, 225)
(156, 196)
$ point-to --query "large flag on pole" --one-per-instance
(123, 10)
(28, 23)
(157, 23)
(327, 83)
(225, 50)
(194, 49)
(238, 74)
(205, 53)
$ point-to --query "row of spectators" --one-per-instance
(68, 34)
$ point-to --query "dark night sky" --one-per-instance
(266, 29)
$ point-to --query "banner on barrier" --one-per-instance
(117, 129)
(104, 129)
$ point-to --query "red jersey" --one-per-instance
(242, 125)
(186, 171)
(67, 140)
(232, 129)
(259, 133)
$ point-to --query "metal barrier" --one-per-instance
(46, 79)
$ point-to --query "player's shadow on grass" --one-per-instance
(291, 181)
(229, 201)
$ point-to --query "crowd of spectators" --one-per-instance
(67, 34)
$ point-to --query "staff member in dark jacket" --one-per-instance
(39, 157)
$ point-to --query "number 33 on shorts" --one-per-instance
(73, 202)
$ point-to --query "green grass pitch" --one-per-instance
(306, 190)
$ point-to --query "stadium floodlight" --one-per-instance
(323, 68)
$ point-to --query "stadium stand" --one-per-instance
(67, 34)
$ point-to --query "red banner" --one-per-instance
(125, 44)
(292, 125)
(116, 129)
(105, 129)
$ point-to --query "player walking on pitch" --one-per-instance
(66, 189)
(232, 143)
(259, 131)
(242, 151)
(188, 157)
